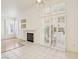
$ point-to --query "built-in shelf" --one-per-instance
(23, 21)
(23, 24)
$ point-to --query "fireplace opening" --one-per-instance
(30, 37)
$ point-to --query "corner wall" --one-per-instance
(72, 21)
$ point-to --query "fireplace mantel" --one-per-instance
(30, 31)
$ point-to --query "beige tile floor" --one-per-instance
(33, 51)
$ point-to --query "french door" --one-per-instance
(55, 31)
(8, 27)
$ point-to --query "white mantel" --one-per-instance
(30, 31)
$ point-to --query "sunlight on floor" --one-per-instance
(9, 44)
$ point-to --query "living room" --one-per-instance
(39, 29)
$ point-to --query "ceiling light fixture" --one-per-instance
(39, 1)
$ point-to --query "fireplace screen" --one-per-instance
(30, 37)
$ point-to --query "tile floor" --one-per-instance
(33, 51)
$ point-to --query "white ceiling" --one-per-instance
(19, 5)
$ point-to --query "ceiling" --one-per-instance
(18, 5)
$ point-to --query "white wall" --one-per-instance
(72, 21)
(8, 13)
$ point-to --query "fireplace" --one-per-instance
(30, 37)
